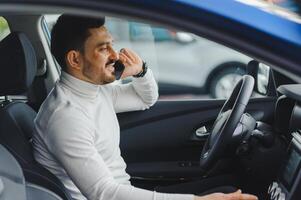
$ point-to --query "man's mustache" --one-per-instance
(111, 62)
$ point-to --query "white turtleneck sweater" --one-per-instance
(77, 137)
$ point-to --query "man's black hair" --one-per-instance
(70, 33)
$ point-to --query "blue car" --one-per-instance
(249, 138)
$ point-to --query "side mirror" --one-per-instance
(184, 37)
(262, 74)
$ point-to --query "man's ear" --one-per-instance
(73, 59)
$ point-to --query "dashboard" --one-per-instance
(288, 122)
(288, 109)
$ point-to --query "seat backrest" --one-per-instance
(18, 68)
(13, 185)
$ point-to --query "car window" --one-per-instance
(185, 66)
(4, 29)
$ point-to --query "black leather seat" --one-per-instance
(18, 68)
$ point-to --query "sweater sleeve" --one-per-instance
(70, 139)
(140, 94)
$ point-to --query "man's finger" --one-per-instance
(128, 54)
(124, 58)
(248, 197)
(238, 192)
(239, 196)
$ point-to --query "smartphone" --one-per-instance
(119, 68)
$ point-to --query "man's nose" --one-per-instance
(114, 55)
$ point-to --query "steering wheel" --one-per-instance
(226, 122)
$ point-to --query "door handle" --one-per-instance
(202, 132)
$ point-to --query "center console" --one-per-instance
(288, 184)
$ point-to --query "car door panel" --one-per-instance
(160, 143)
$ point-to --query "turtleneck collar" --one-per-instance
(79, 86)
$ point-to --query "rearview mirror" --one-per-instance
(262, 79)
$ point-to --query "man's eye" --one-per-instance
(103, 49)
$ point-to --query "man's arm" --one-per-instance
(232, 196)
(138, 95)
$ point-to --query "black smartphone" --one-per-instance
(119, 68)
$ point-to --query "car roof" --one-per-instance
(266, 36)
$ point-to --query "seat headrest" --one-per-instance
(18, 64)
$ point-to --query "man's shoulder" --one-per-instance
(57, 117)
(57, 104)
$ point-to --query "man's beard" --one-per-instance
(102, 78)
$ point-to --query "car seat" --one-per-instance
(18, 69)
(13, 185)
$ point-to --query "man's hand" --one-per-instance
(232, 196)
(132, 62)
